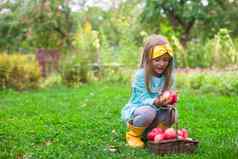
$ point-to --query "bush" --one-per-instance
(76, 67)
(223, 83)
(117, 74)
(220, 52)
(224, 52)
(75, 71)
(18, 72)
(196, 81)
(51, 81)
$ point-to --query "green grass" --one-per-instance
(85, 123)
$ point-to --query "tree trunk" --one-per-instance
(185, 36)
(177, 22)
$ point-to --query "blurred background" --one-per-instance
(69, 42)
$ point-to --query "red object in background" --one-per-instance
(48, 60)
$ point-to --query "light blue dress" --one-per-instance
(139, 94)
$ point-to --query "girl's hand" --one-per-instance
(166, 99)
(161, 101)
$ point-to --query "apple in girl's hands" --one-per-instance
(173, 96)
(169, 96)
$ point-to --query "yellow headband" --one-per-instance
(160, 50)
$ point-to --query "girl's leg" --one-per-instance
(143, 116)
(141, 119)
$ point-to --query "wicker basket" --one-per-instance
(173, 146)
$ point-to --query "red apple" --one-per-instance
(185, 133)
(180, 133)
(170, 133)
(181, 137)
(159, 137)
(158, 130)
(170, 95)
(151, 135)
(173, 97)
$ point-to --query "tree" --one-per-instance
(12, 29)
(50, 23)
(183, 15)
(36, 24)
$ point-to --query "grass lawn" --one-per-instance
(85, 123)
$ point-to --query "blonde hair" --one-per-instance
(146, 59)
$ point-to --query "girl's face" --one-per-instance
(160, 63)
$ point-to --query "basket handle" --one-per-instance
(173, 110)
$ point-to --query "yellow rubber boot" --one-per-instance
(133, 136)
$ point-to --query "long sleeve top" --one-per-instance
(139, 94)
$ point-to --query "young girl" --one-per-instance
(147, 107)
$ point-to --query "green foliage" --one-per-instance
(85, 123)
(197, 81)
(218, 52)
(74, 75)
(19, 72)
(128, 55)
(76, 67)
(117, 32)
(106, 50)
(52, 80)
(36, 24)
(28, 25)
(117, 74)
(12, 27)
(50, 23)
(185, 15)
(221, 83)
(225, 52)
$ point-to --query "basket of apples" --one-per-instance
(171, 140)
